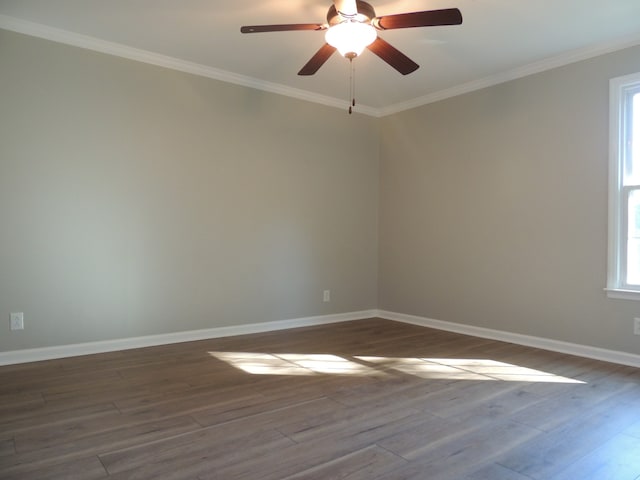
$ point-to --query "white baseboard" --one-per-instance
(74, 350)
(613, 356)
(49, 353)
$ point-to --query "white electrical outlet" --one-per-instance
(326, 296)
(17, 321)
(636, 326)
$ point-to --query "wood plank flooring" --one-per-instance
(364, 400)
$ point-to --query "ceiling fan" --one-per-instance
(351, 27)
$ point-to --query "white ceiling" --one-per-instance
(498, 40)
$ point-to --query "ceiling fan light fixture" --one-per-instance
(351, 37)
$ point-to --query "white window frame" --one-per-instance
(617, 286)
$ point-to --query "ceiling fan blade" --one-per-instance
(281, 28)
(393, 56)
(317, 60)
(429, 18)
(347, 8)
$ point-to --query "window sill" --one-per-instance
(622, 294)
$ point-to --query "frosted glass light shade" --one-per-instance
(351, 37)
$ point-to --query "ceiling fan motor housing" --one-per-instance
(365, 14)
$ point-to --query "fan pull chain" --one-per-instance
(352, 85)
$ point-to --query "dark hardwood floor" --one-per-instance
(366, 400)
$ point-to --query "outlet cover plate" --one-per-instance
(636, 326)
(17, 321)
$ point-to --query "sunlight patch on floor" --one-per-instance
(430, 368)
(423, 369)
(293, 364)
(466, 369)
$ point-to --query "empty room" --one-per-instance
(287, 240)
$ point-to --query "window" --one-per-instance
(624, 188)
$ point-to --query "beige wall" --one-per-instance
(136, 200)
(494, 208)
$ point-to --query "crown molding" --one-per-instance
(550, 63)
(145, 56)
(119, 50)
